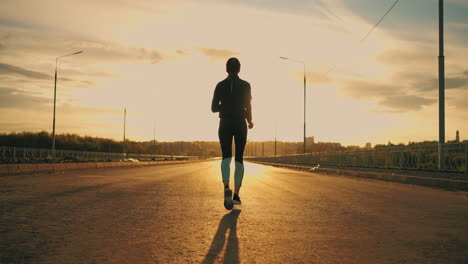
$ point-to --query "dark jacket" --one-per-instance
(232, 99)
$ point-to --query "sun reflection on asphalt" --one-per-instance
(256, 170)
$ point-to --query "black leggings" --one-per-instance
(229, 128)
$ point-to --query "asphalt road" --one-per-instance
(175, 214)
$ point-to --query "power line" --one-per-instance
(369, 32)
(380, 20)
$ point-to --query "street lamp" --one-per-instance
(284, 58)
(55, 96)
(441, 87)
(125, 121)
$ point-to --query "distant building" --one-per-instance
(457, 137)
(368, 145)
(352, 147)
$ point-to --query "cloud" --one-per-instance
(218, 54)
(15, 98)
(71, 107)
(415, 66)
(20, 100)
(97, 74)
(86, 83)
(316, 77)
(457, 26)
(395, 97)
(427, 82)
(318, 8)
(407, 91)
(22, 45)
(407, 57)
(28, 76)
(459, 2)
(458, 100)
(456, 82)
(102, 52)
(7, 69)
(406, 103)
(153, 56)
(366, 89)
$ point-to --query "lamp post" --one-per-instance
(154, 133)
(55, 96)
(276, 132)
(284, 58)
(441, 86)
(125, 120)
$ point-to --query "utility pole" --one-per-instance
(275, 146)
(125, 119)
(441, 86)
(263, 149)
(304, 108)
(154, 140)
(276, 133)
(305, 85)
(55, 99)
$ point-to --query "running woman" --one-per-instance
(232, 99)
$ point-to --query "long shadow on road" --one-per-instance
(231, 255)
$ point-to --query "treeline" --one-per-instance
(413, 144)
(43, 140)
(267, 148)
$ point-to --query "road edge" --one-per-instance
(458, 185)
(22, 169)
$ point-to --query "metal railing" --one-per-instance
(31, 155)
(405, 157)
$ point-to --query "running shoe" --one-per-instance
(228, 199)
(236, 199)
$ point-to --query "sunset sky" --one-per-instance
(162, 60)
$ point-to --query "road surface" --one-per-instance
(175, 214)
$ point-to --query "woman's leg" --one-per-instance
(225, 139)
(240, 137)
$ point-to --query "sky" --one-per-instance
(161, 60)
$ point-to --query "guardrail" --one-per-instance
(31, 155)
(406, 157)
